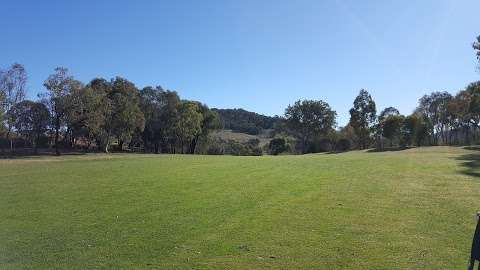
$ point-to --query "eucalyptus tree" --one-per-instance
(415, 129)
(127, 117)
(210, 121)
(389, 111)
(460, 117)
(13, 90)
(59, 86)
(86, 114)
(434, 107)
(189, 123)
(391, 127)
(363, 117)
(30, 119)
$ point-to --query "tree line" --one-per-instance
(105, 115)
(71, 115)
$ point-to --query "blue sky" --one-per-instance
(257, 55)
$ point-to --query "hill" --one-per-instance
(411, 209)
(263, 137)
(242, 121)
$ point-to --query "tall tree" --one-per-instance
(309, 118)
(31, 120)
(152, 103)
(13, 83)
(473, 90)
(389, 111)
(189, 123)
(102, 125)
(127, 115)
(459, 117)
(434, 107)
(391, 127)
(87, 113)
(210, 121)
(363, 117)
(58, 86)
(415, 129)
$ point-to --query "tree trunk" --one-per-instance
(57, 150)
(106, 147)
(193, 145)
(120, 145)
(10, 140)
(35, 146)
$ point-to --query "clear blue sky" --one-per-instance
(257, 55)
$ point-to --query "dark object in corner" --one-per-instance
(475, 254)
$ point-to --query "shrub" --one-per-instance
(277, 146)
(343, 145)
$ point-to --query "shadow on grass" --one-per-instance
(387, 149)
(29, 154)
(471, 161)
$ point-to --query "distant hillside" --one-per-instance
(240, 120)
(227, 135)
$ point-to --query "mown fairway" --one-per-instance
(411, 209)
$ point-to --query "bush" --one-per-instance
(277, 146)
(235, 148)
(343, 145)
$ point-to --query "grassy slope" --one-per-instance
(397, 210)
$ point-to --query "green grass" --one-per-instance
(410, 209)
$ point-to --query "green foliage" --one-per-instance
(188, 124)
(234, 148)
(363, 117)
(239, 120)
(30, 119)
(308, 119)
(434, 108)
(87, 114)
(392, 126)
(278, 146)
(59, 86)
(415, 130)
(389, 111)
(126, 113)
(172, 124)
(343, 145)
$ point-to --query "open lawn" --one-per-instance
(411, 209)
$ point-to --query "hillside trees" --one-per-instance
(239, 120)
(307, 119)
(363, 117)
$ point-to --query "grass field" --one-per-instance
(411, 209)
